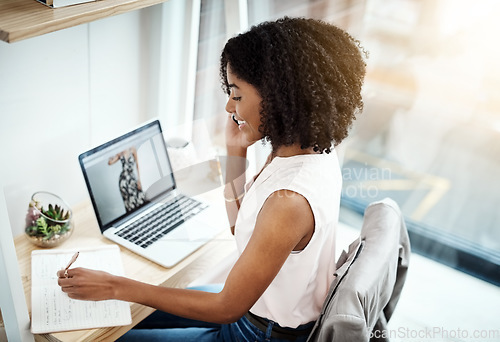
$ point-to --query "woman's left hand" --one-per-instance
(86, 284)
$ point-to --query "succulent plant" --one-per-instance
(56, 212)
(48, 223)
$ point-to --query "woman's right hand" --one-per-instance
(234, 137)
(85, 284)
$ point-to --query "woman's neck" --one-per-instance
(291, 150)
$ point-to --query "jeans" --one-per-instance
(161, 326)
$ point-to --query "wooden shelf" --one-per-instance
(22, 19)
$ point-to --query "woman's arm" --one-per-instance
(284, 223)
(234, 189)
(114, 158)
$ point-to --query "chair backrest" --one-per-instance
(370, 277)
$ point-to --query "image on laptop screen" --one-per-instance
(126, 174)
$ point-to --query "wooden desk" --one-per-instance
(136, 267)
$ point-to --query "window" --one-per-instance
(429, 135)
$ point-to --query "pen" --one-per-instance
(73, 259)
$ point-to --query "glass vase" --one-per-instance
(49, 220)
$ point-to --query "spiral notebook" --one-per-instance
(53, 311)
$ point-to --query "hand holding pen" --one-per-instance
(73, 259)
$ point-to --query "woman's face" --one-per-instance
(245, 103)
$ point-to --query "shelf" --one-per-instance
(22, 19)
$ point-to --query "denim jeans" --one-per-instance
(161, 326)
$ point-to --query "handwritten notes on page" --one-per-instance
(52, 310)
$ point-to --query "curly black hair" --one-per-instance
(309, 74)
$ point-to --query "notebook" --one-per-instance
(53, 311)
(136, 200)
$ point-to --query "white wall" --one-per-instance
(63, 93)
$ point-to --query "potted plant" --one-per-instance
(49, 221)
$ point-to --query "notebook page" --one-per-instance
(53, 311)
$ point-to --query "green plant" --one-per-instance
(48, 223)
(56, 212)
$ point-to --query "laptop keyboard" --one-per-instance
(160, 221)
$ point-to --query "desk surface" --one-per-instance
(136, 267)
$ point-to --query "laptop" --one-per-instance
(136, 200)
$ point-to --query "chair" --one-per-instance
(369, 279)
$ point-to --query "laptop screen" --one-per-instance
(127, 173)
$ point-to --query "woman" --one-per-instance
(129, 184)
(295, 83)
